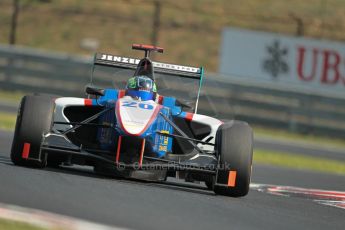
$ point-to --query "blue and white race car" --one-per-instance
(138, 131)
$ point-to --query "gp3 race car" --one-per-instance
(134, 132)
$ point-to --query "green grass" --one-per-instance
(7, 121)
(190, 30)
(16, 225)
(296, 161)
(278, 134)
(11, 96)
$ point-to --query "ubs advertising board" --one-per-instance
(318, 65)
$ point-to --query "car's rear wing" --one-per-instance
(196, 73)
(159, 67)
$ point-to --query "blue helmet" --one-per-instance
(141, 87)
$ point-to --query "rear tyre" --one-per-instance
(234, 146)
(33, 120)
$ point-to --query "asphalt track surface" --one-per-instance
(77, 192)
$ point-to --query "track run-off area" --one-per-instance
(279, 198)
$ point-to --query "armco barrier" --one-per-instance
(222, 96)
(31, 70)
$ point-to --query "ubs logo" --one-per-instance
(276, 63)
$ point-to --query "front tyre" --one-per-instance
(34, 119)
(234, 147)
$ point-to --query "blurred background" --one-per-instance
(276, 64)
(189, 30)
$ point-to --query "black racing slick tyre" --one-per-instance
(34, 118)
(234, 147)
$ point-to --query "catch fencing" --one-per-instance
(224, 97)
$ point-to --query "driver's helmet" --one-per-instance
(141, 87)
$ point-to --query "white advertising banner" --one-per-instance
(282, 60)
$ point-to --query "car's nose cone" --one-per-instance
(135, 117)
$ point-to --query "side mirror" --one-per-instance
(94, 91)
